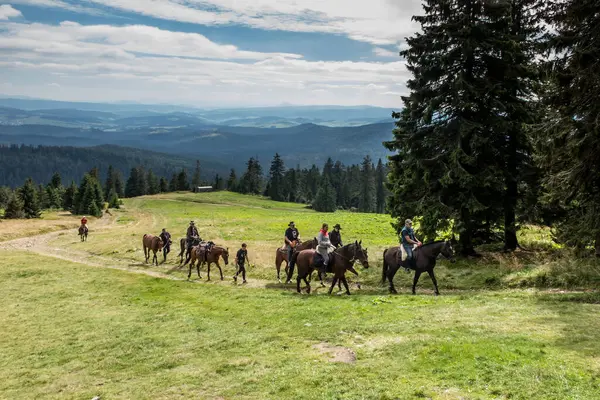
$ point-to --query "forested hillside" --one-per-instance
(18, 163)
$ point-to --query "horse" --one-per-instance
(281, 255)
(153, 243)
(83, 232)
(340, 261)
(199, 256)
(183, 247)
(425, 257)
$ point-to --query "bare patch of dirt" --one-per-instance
(336, 353)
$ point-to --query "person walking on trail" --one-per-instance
(291, 239)
(324, 247)
(408, 241)
(166, 239)
(240, 260)
(336, 236)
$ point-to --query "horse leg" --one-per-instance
(198, 269)
(307, 284)
(390, 275)
(208, 272)
(278, 268)
(345, 282)
(335, 280)
(432, 276)
(417, 275)
(220, 270)
(146, 254)
(190, 273)
(298, 279)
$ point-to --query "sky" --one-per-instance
(207, 53)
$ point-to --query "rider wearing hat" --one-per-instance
(408, 240)
(335, 236)
(291, 238)
(84, 221)
(191, 235)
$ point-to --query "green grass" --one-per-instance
(72, 331)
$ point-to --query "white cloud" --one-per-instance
(141, 63)
(380, 22)
(381, 52)
(7, 11)
(71, 38)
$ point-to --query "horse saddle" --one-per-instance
(404, 253)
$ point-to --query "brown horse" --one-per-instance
(199, 256)
(183, 247)
(153, 243)
(425, 257)
(281, 255)
(83, 233)
(340, 261)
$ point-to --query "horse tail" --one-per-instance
(385, 268)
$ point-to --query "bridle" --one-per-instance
(352, 260)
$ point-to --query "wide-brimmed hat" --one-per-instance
(408, 221)
(291, 223)
(191, 222)
(337, 226)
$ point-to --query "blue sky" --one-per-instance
(207, 52)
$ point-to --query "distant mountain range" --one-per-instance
(301, 135)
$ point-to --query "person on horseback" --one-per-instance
(84, 222)
(166, 238)
(191, 236)
(336, 236)
(324, 247)
(291, 238)
(408, 240)
(240, 260)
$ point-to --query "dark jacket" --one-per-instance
(192, 231)
(335, 237)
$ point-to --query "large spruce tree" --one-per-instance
(367, 186)
(276, 179)
(232, 181)
(251, 182)
(460, 137)
(325, 200)
(29, 196)
(570, 142)
(380, 178)
(196, 179)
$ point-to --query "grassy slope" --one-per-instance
(71, 331)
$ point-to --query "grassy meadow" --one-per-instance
(523, 326)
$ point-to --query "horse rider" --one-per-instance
(336, 236)
(191, 235)
(291, 238)
(408, 240)
(166, 239)
(324, 247)
(84, 222)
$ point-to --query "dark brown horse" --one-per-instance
(154, 244)
(340, 261)
(183, 247)
(199, 255)
(281, 255)
(83, 232)
(425, 257)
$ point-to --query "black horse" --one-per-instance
(425, 257)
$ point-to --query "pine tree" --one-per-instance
(312, 182)
(570, 144)
(163, 185)
(219, 183)
(14, 208)
(110, 180)
(94, 173)
(69, 197)
(6, 195)
(291, 185)
(325, 198)
(173, 184)
(152, 181)
(56, 181)
(462, 123)
(367, 187)
(276, 181)
(89, 198)
(132, 186)
(380, 187)
(29, 196)
(251, 182)
(42, 197)
(182, 180)
(113, 199)
(232, 181)
(196, 180)
(119, 186)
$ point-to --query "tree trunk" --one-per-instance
(465, 239)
